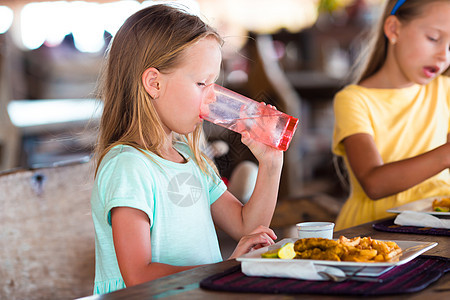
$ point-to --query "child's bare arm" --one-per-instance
(380, 180)
(238, 220)
(131, 234)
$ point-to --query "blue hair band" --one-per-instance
(397, 6)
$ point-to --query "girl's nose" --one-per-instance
(444, 52)
(210, 96)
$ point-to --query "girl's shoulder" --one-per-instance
(359, 89)
(355, 90)
(127, 156)
(119, 151)
(351, 88)
(352, 91)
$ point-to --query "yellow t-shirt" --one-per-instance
(404, 123)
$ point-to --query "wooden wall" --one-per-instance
(46, 233)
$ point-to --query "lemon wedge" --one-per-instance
(441, 209)
(270, 254)
(287, 251)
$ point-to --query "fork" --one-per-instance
(343, 278)
(408, 250)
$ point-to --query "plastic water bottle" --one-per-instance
(239, 113)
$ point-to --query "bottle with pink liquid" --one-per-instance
(239, 113)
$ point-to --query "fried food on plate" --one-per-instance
(367, 249)
(318, 254)
(357, 249)
(318, 248)
(442, 205)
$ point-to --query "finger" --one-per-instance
(270, 105)
(269, 239)
(271, 234)
(245, 138)
(251, 242)
(259, 246)
(245, 135)
(264, 229)
(260, 241)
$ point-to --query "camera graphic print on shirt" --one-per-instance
(184, 189)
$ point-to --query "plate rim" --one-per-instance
(399, 210)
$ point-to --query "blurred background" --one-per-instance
(295, 54)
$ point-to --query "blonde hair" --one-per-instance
(373, 56)
(155, 36)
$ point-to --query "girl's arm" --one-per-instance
(380, 180)
(238, 220)
(131, 235)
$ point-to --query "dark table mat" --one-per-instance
(389, 226)
(411, 277)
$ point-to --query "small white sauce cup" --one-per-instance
(315, 230)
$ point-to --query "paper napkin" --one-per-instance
(299, 270)
(420, 219)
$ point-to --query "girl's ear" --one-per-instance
(150, 80)
(392, 29)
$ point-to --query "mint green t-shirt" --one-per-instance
(175, 196)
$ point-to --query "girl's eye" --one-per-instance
(201, 84)
(432, 39)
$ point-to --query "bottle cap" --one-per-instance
(288, 133)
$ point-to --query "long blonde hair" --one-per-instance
(374, 54)
(155, 36)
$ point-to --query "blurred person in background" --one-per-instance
(392, 126)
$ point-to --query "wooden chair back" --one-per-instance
(268, 82)
(47, 247)
(9, 134)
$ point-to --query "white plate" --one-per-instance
(423, 205)
(349, 267)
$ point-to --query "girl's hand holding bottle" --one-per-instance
(265, 154)
(262, 152)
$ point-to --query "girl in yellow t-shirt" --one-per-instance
(393, 125)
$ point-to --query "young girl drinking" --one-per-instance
(392, 126)
(156, 199)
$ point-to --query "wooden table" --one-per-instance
(185, 285)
